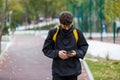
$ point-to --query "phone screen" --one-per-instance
(69, 51)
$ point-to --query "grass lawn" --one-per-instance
(105, 69)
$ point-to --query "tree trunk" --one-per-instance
(1, 32)
(3, 21)
(2, 28)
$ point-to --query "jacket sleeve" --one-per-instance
(48, 47)
(82, 45)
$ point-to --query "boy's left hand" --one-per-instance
(72, 54)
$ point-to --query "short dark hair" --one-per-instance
(66, 18)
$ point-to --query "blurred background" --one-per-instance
(89, 15)
(98, 20)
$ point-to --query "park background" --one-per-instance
(93, 17)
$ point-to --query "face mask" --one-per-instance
(64, 30)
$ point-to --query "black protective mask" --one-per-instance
(64, 30)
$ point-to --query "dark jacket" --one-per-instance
(65, 41)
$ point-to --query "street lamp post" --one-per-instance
(6, 7)
(90, 19)
(101, 16)
(66, 4)
(114, 31)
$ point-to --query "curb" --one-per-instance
(3, 52)
(89, 74)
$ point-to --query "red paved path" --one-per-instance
(24, 60)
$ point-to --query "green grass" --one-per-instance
(0, 52)
(105, 69)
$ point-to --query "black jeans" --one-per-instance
(64, 78)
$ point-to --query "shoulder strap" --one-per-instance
(75, 34)
(55, 35)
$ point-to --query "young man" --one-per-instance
(65, 50)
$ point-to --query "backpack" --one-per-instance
(74, 32)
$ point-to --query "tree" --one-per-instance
(3, 22)
(45, 8)
(112, 10)
(1, 12)
(17, 10)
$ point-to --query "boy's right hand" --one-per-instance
(62, 54)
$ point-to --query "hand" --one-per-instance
(72, 54)
(63, 55)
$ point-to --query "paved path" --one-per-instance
(106, 48)
(24, 60)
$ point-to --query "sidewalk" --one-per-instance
(104, 49)
(24, 60)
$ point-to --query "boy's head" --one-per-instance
(65, 18)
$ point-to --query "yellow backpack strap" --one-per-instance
(55, 35)
(75, 34)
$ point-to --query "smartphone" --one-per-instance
(69, 51)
